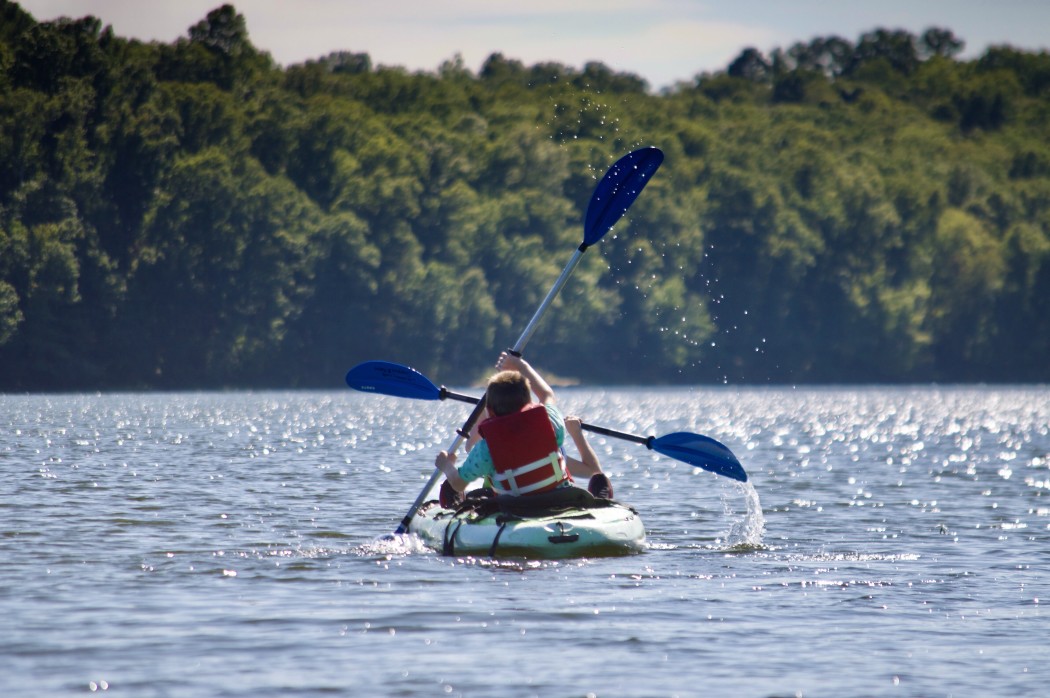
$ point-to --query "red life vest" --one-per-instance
(524, 450)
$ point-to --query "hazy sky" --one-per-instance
(663, 41)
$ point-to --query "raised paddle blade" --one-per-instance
(617, 190)
(701, 451)
(393, 379)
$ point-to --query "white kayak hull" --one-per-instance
(569, 524)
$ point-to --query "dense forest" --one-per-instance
(192, 215)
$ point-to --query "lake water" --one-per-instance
(891, 542)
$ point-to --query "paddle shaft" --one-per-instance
(604, 431)
(694, 449)
(467, 426)
(555, 289)
(701, 451)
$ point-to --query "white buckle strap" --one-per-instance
(508, 480)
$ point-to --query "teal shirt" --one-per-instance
(479, 461)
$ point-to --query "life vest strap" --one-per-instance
(508, 479)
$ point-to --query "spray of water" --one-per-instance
(746, 533)
(393, 544)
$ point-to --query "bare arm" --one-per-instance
(475, 435)
(446, 463)
(589, 464)
(509, 362)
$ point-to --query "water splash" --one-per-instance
(746, 533)
(393, 544)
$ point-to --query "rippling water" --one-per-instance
(891, 542)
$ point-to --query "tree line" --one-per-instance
(192, 215)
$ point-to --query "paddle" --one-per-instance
(614, 194)
(701, 451)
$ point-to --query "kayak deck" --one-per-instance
(565, 523)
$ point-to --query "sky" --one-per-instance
(662, 41)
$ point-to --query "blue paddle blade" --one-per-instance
(393, 379)
(701, 451)
(618, 189)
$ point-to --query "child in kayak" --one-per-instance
(519, 451)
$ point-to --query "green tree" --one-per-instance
(217, 279)
(968, 274)
(860, 210)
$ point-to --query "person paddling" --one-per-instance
(519, 451)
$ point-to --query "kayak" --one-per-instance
(567, 522)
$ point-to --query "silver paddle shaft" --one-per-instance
(555, 289)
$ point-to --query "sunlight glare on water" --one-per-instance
(888, 542)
